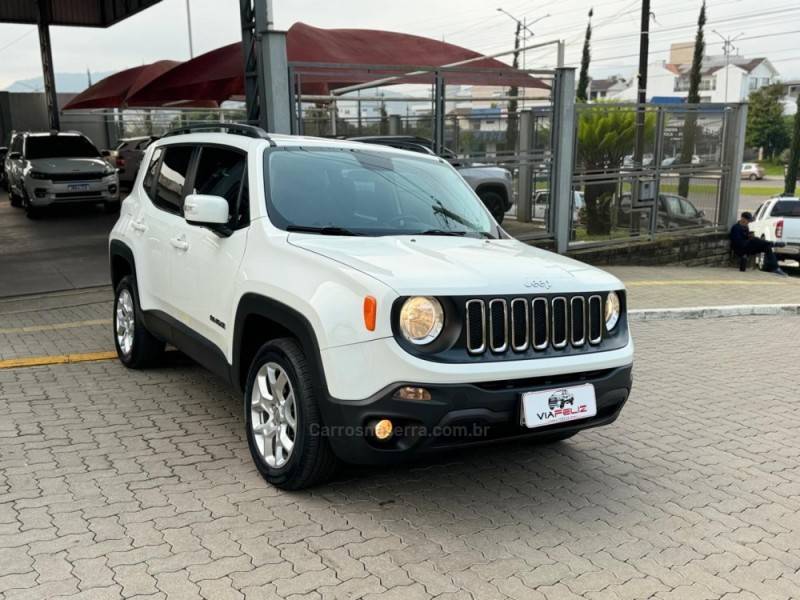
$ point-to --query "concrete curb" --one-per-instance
(713, 312)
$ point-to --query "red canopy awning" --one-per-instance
(218, 75)
(115, 90)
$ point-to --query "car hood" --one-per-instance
(443, 265)
(68, 165)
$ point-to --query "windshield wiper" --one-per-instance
(328, 230)
(441, 232)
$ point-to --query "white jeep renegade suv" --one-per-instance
(361, 298)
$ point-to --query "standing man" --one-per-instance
(744, 245)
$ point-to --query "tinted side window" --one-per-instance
(150, 175)
(786, 208)
(16, 144)
(172, 177)
(221, 172)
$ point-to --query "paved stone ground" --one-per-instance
(674, 287)
(139, 485)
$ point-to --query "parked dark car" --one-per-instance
(674, 212)
(491, 183)
(128, 157)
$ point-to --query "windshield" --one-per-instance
(365, 192)
(59, 146)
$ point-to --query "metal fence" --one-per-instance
(686, 165)
(577, 176)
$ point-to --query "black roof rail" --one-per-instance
(236, 128)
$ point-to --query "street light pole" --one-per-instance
(189, 23)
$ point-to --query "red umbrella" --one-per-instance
(114, 90)
(217, 75)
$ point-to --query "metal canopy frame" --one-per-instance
(71, 13)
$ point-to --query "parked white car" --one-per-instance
(541, 205)
(361, 299)
(58, 168)
(778, 220)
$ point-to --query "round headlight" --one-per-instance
(421, 319)
(612, 310)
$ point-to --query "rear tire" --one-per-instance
(752, 177)
(137, 348)
(283, 421)
(495, 203)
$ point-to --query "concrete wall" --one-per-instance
(26, 111)
(702, 249)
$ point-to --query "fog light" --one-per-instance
(112, 189)
(412, 393)
(40, 192)
(383, 429)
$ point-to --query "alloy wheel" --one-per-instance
(273, 414)
(125, 321)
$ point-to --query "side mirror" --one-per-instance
(201, 209)
(701, 213)
(15, 155)
(105, 153)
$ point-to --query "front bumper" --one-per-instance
(459, 415)
(42, 192)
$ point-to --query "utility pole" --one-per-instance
(523, 28)
(727, 48)
(644, 50)
(189, 23)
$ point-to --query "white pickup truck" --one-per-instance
(778, 220)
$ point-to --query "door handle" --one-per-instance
(180, 243)
(138, 225)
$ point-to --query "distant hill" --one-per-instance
(67, 83)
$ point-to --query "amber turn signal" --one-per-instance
(370, 312)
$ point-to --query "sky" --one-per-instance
(768, 28)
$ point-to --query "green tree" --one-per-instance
(794, 156)
(583, 81)
(690, 122)
(765, 124)
(605, 136)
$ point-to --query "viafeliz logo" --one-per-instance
(561, 404)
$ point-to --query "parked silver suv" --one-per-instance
(55, 168)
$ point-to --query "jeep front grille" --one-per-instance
(500, 325)
(76, 176)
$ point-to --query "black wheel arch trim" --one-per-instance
(296, 323)
(118, 248)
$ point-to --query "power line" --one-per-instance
(15, 40)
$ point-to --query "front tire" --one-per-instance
(283, 419)
(753, 177)
(31, 211)
(137, 348)
(13, 198)
(495, 203)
